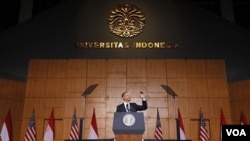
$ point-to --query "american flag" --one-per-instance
(30, 134)
(74, 128)
(158, 131)
(203, 131)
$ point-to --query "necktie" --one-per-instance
(127, 107)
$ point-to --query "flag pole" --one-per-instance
(81, 119)
(171, 92)
(177, 120)
(87, 92)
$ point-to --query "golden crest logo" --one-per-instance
(126, 20)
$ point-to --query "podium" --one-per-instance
(128, 126)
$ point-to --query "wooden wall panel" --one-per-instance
(135, 85)
(116, 68)
(240, 90)
(97, 68)
(156, 68)
(72, 104)
(195, 105)
(176, 68)
(37, 104)
(187, 125)
(99, 104)
(75, 87)
(179, 86)
(136, 68)
(111, 104)
(114, 82)
(195, 82)
(54, 103)
(183, 105)
(194, 129)
(160, 102)
(172, 126)
(12, 100)
(100, 90)
(197, 88)
(109, 128)
(172, 106)
(56, 87)
(196, 68)
(154, 85)
(36, 87)
(240, 100)
(217, 88)
(215, 128)
(216, 68)
(38, 68)
(217, 104)
(57, 68)
(77, 68)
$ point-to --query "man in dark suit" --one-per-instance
(126, 106)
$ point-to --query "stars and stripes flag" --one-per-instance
(158, 132)
(30, 134)
(204, 136)
(222, 121)
(6, 131)
(181, 126)
(74, 128)
(49, 132)
(93, 130)
(243, 119)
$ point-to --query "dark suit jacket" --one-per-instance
(133, 107)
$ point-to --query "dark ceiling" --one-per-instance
(9, 10)
(9, 13)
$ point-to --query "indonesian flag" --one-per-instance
(181, 126)
(93, 132)
(222, 121)
(49, 132)
(6, 129)
(243, 119)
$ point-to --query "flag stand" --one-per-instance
(177, 120)
(81, 121)
(171, 92)
(81, 125)
(88, 91)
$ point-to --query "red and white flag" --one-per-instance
(6, 129)
(222, 122)
(243, 119)
(49, 132)
(181, 127)
(93, 130)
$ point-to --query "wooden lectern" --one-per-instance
(128, 126)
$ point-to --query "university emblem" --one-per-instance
(126, 21)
